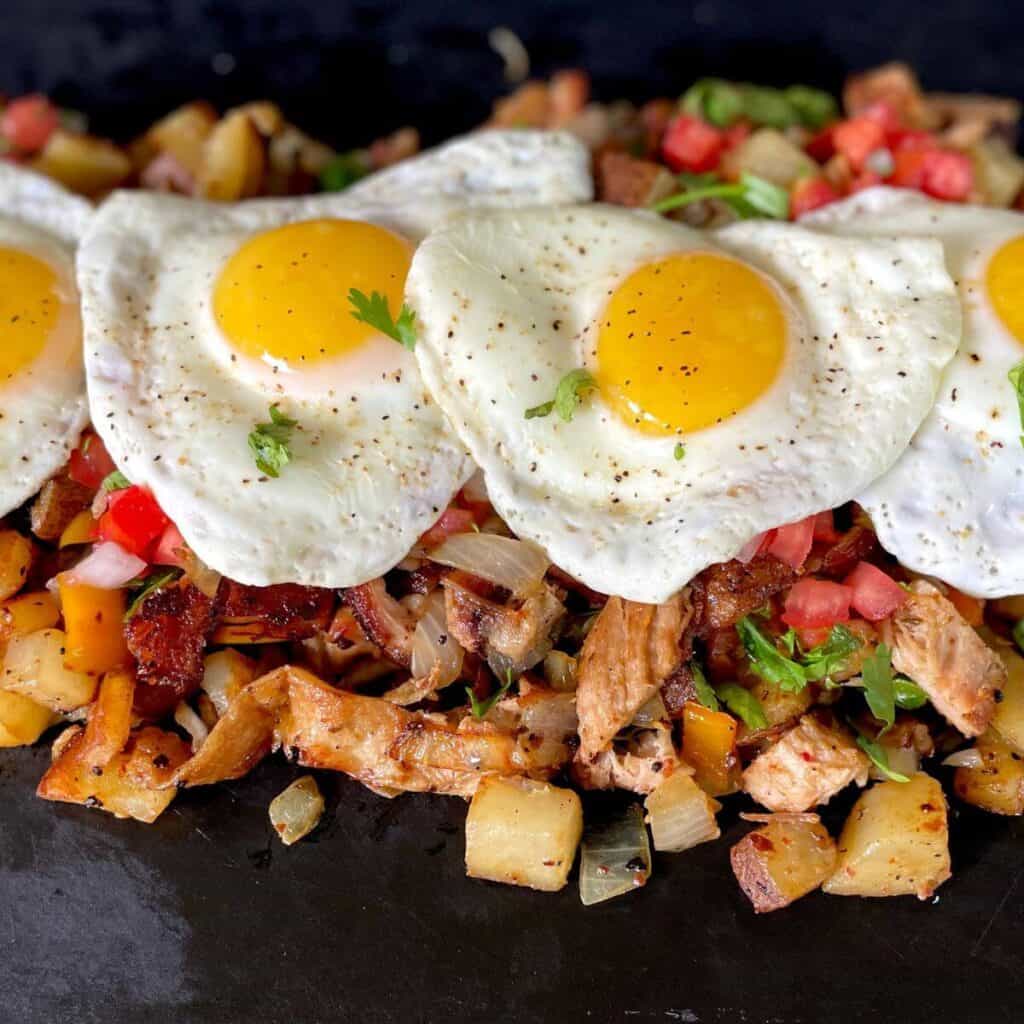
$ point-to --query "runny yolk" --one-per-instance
(282, 297)
(1004, 280)
(688, 341)
(29, 307)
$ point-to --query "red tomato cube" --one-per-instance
(808, 194)
(792, 543)
(858, 138)
(691, 144)
(90, 464)
(28, 122)
(133, 519)
(875, 594)
(811, 604)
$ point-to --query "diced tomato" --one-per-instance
(911, 138)
(822, 146)
(825, 527)
(908, 168)
(866, 179)
(737, 134)
(813, 636)
(28, 122)
(948, 175)
(811, 604)
(876, 595)
(792, 543)
(133, 519)
(691, 144)
(453, 520)
(90, 464)
(884, 114)
(971, 608)
(858, 138)
(808, 194)
(168, 547)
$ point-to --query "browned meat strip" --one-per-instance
(384, 621)
(933, 645)
(288, 611)
(728, 591)
(60, 500)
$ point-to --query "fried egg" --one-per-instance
(42, 384)
(743, 380)
(198, 317)
(953, 505)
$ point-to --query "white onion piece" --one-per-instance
(681, 814)
(187, 718)
(651, 714)
(475, 490)
(560, 671)
(433, 645)
(517, 565)
(747, 552)
(108, 567)
(296, 811)
(969, 758)
(615, 857)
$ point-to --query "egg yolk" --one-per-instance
(1004, 280)
(29, 307)
(283, 296)
(688, 341)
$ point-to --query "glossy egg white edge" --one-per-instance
(953, 505)
(373, 467)
(43, 409)
(613, 507)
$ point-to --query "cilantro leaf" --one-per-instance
(568, 396)
(147, 585)
(680, 451)
(909, 696)
(766, 660)
(742, 703)
(268, 443)
(879, 758)
(704, 690)
(821, 661)
(375, 312)
(481, 707)
(115, 481)
(343, 170)
(879, 692)
(713, 100)
(751, 196)
(1016, 376)
(1018, 634)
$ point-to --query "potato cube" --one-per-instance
(997, 785)
(786, 859)
(681, 814)
(22, 720)
(770, 155)
(83, 164)
(27, 613)
(182, 133)
(895, 842)
(1008, 720)
(233, 160)
(523, 832)
(15, 562)
(34, 667)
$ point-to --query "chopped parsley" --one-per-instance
(1016, 376)
(115, 481)
(704, 690)
(146, 587)
(680, 452)
(879, 758)
(375, 312)
(789, 675)
(742, 703)
(268, 443)
(343, 170)
(751, 196)
(481, 707)
(568, 396)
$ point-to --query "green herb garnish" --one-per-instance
(679, 453)
(879, 758)
(723, 103)
(879, 689)
(147, 586)
(481, 707)
(1018, 634)
(742, 703)
(375, 312)
(815, 107)
(343, 170)
(115, 481)
(909, 696)
(751, 196)
(1016, 376)
(821, 661)
(713, 100)
(788, 674)
(568, 396)
(704, 690)
(268, 443)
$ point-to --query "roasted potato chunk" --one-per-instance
(895, 842)
(233, 160)
(523, 832)
(997, 785)
(22, 720)
(183, 133)
(786, 859)
(83, 164)
(15, 562)
(34, 667)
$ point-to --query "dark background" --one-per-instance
(205, 916)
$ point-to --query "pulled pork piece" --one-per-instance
(630, 651)
(285, 611)
(60, 500)
(512, 639)
(724, 593)
(384, 621)
(642, 764)
(806, 767)
(933, 645)
(627, 181)
(167, 636)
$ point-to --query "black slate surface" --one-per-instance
(204, 917)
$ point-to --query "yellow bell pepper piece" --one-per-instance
(81, 530)
(709, 747)
(94, 624)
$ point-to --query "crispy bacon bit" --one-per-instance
(384, 621)
(630, 651)
(806, 767)
(626, 181)
(933, 645)
(286, 611)
(724, 593)
(167, 637)
(858, 544)
(60, 500)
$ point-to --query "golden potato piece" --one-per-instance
(233, 160)
(83, 163)
(183, 134)
(895, 842)
(523, 832)
(997, 785)
(22, 720)
(15, 562)
(34, 667)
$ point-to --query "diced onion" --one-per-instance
(560, 671)
(615, 857)
(517, 565)
(475, 490)
(108, 567)
(652, 713)
(433, 645)
(681, 814)
(296, 811)
(968, 758)
(187, 718)
(751, 548)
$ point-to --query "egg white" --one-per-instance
(509, 301)
(373, 461)
(953, 505)
(43, 407)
